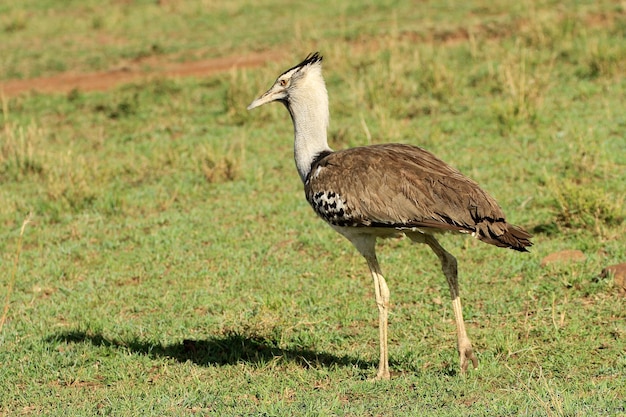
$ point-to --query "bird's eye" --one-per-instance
(283, 83)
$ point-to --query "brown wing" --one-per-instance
(403, 186)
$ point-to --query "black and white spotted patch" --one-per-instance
(331, 207)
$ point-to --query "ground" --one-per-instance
(133, 71)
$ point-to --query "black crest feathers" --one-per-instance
(311, 58)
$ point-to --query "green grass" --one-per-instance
(173, 267)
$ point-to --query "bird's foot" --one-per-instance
(466, 354)
(382, 375)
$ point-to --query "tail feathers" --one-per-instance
(513, 237)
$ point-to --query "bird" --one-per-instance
(383, 191)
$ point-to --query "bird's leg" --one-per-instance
(366, 245)
(449, 267)
(382, 300)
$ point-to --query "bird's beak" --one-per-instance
(273, 94)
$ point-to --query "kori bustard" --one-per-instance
(384, 191)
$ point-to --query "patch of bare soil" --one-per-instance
(162, 66)
(133, 72)
(564, 256)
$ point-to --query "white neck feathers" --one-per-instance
(308, 107)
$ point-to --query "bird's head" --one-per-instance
(293, 82)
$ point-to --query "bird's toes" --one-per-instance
(474, 360)
(466, 354)
(382, 375)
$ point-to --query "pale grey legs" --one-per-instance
(366, 244)
(382, 300)
(449, 267)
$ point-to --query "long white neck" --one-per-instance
(308, 108)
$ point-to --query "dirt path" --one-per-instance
(104, 80)
(164, 66)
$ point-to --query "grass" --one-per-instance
(172, 266)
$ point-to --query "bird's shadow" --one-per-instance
(217, 350)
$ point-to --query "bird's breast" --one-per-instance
(332, 207)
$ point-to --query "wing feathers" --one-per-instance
(403, 186)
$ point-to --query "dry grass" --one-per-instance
(177, 270)
(11, 283)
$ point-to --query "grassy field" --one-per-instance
(172, 267)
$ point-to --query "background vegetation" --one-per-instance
(172, 267)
